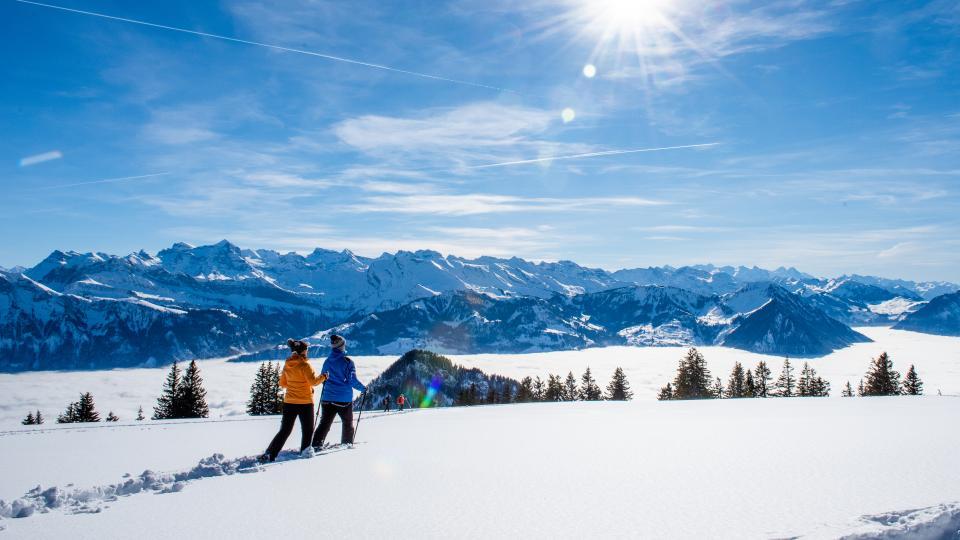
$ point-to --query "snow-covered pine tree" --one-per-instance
(112, 417)
(85, 410)
(860, 389)
(29, 420)
(847, 390)
(192, 394)
(140, 416)
(261, 398)
(666, 393)
(589, 389)
(821, 388)
(912, 385)
(762, 377)
(736, 385)
(786, 383)
(169, 397)
(39, 419)
(693, 380)
(570, 391)
(717, 389)
(539, 390)
(619, 387)
(882, 379)
(749, 386)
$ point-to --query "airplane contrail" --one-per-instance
(104, 181)
(271, 46)
(589, 155)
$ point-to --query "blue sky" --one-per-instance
(837, 123)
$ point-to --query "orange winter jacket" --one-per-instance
(299, 378)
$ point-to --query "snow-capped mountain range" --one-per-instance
(92, 310)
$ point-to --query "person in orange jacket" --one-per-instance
(401, 401)
(298, 378)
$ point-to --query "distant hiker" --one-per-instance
(401, 401)
(298, 378)
(386, 403)
(337, 396)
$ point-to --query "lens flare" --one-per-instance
(567, 115)
(589, 71)
(432, 391)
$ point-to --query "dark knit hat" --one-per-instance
(337, 341)
(298, 345)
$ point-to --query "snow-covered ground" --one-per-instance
(648, 368)
(818, 468)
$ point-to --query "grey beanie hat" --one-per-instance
(337, 342)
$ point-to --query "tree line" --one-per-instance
(555, 388)
(694, 381)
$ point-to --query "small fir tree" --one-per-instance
(749, 385)
(847, 390)
(192, 394)
(278, 392)
(737, 384)
(912, 385)
(717, 388)
(666, 393)
(29, 420)
(112, 417)
(492, 397)
(693, 380)
(539, 390)
(168, 402)
(570, 391)
(554, 388)
(68, 416)
(882, 379)
(762, 377)
(860, 389)
(86, 411)
(39, 419)
(786, 383)
(619, 388)
(589, 389)
(525, 391)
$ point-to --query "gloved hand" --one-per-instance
(323, 378)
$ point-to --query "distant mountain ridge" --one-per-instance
(264, 296)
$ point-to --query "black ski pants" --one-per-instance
(291, 411)
(328, 411)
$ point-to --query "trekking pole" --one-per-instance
(319, 403)
(363, 396)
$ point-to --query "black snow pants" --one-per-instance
(290, 413)
(328, 411)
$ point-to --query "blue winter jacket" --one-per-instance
(342, 378)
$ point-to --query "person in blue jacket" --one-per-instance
(337, 396)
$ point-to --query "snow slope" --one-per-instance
(822, 468)
(122, 390)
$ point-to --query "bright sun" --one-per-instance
(624, 16)
(641, 27)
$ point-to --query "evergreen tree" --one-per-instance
(787, 383)
(860, 389)
(492, 397)
(737, 384)
(278, 391)
(525, 391)
(762, 377)
(140, 416)
(847, 390)
(749, 386)
(193, 402)
(589, 389)
(821, 388)
(619, 388)
(881, 379)
(717, 389)
(69, 416)
(507, 393)
(806, 382)
(262, 393)
(112, 417)
(29, 420)
(666, 393)
(912, 385)
(86, 411)
(539, 390)
(570, 391)
(554, 388)
(693, 380)
(168, 402)
(38, 419)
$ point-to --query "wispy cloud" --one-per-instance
(40, 158)
(476, 203)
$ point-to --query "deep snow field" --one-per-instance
(937, 359)
(811, 467)
(816, 468)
